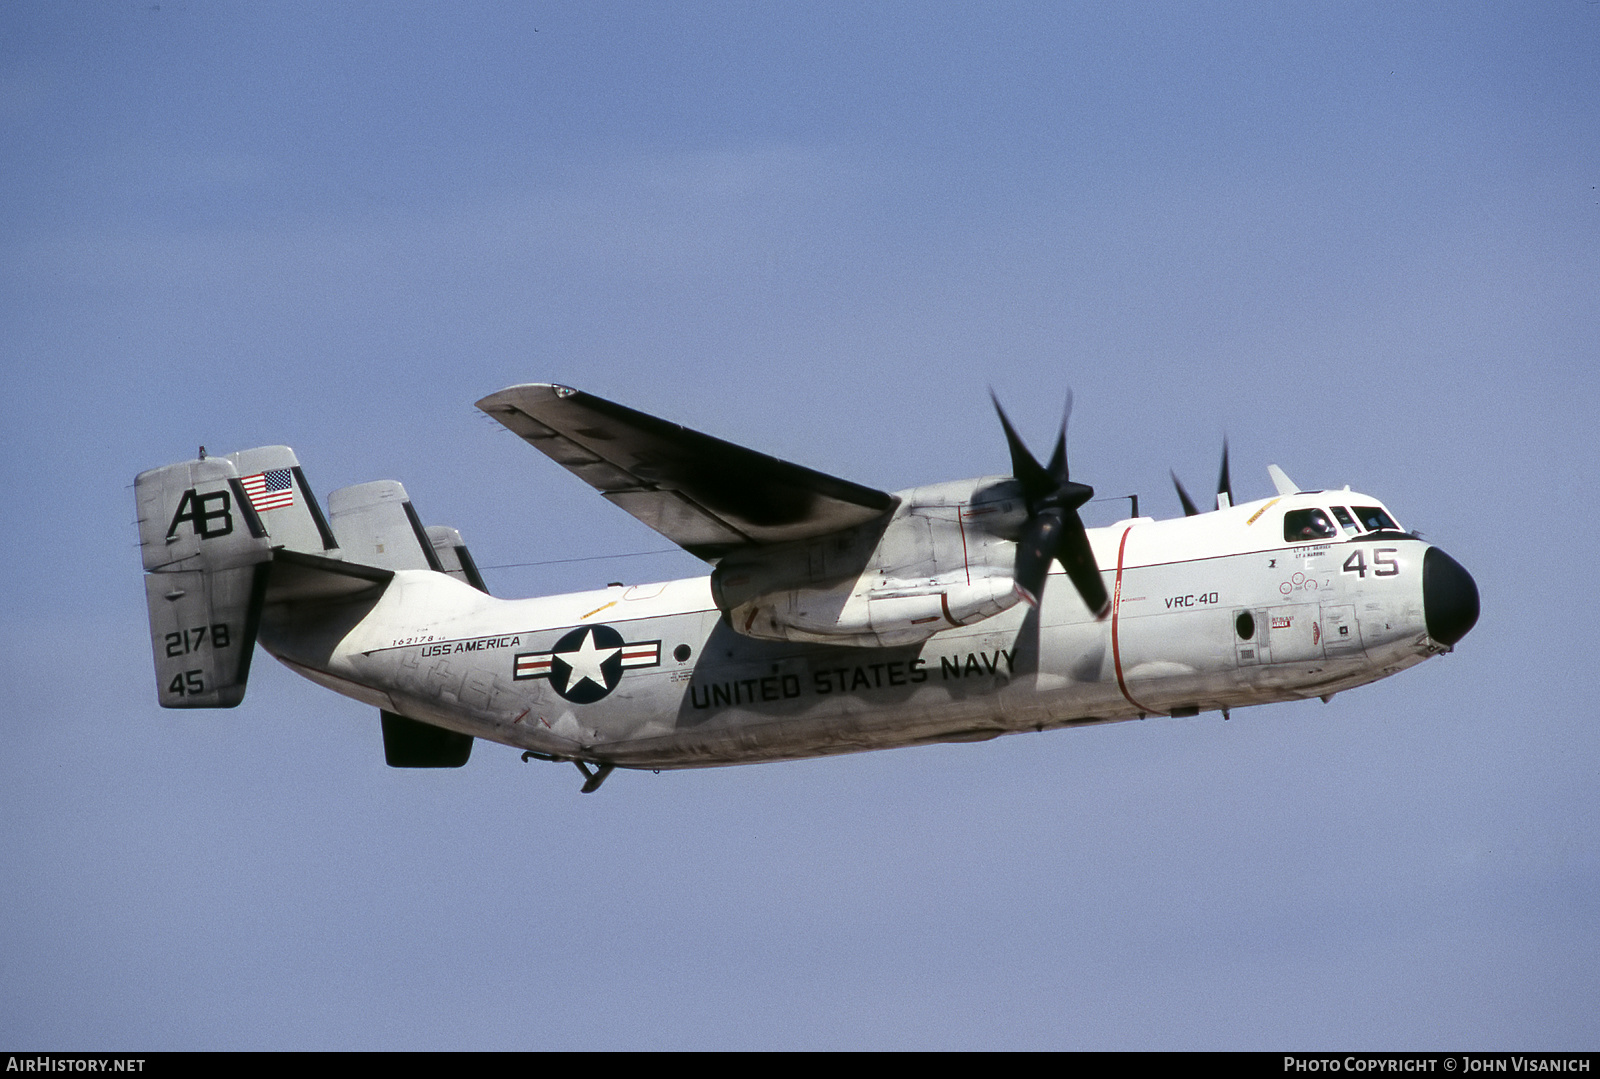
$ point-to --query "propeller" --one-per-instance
(1224, 487)
(1224, 483)
(1054, 530)
(1189, 508)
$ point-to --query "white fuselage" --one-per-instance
(1208, 612)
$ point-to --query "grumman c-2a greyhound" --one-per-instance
(837, 618)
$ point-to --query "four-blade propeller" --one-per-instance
(1053, 530)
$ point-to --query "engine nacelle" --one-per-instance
(901, 613)
(942, 558)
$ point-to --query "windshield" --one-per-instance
(1375, 520)
(1300, 526)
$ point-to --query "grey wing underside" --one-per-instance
(708, 496)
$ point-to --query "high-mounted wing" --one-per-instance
(706, 495)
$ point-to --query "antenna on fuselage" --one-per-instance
(1132, 499)
(1281, 481)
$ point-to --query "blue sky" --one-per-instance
(1359, 239)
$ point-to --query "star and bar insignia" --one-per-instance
(587, 663)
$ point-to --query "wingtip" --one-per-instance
(506, 396)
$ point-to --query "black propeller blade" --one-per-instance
(1054, 531)
(1189, 508)
(1224, 486)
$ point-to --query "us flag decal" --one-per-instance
(270, 490)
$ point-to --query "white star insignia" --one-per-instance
(585, 662)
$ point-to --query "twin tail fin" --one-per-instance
(224, 537)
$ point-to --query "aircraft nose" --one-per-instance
(1449, 597)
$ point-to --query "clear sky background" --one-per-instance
(1362, 240)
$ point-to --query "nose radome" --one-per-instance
(1449, 597)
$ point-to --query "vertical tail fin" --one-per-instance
(454, 556)
(206, 558)
(282, 499)
(377, 526)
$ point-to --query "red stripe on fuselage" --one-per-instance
(1116, 610)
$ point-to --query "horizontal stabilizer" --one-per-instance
(300, 578)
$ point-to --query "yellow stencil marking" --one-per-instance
(598, 609)
(1262, 510)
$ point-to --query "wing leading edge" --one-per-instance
(706, 495)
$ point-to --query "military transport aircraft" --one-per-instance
(836, 617)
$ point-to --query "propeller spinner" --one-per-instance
(1054, 531)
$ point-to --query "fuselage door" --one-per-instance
(1294, 632)
(1341, 636)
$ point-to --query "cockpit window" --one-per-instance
(1346, 522)
(1299, 526)
(1375, 519)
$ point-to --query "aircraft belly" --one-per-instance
(755, 700)
(741, 700)
(678, 688)
(751, 700)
